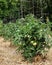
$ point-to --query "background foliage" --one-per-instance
(12, 9)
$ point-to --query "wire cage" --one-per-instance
(32, 6)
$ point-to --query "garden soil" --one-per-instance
(9, 56)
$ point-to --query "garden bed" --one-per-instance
(8, 56)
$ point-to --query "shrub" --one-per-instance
(32, 36)
(35, 37)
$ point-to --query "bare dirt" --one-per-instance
(8, 56)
